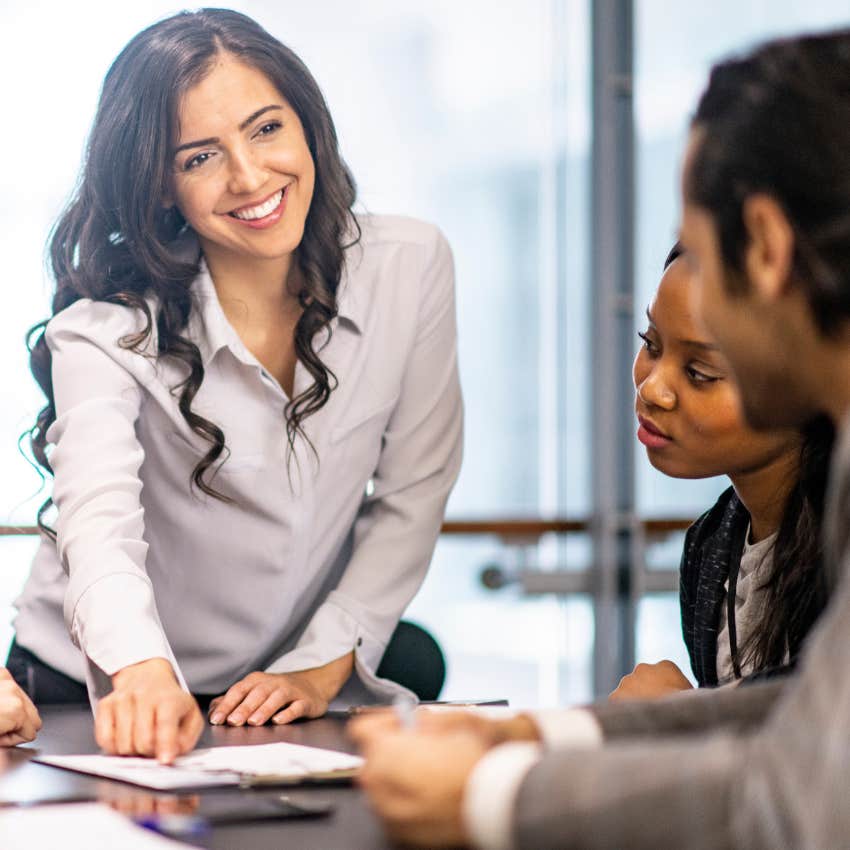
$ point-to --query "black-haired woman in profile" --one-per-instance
(758, 547)
(752, 583)
(253, 413)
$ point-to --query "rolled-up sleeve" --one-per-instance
(397, 526)
(110, 609)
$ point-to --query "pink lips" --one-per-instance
(651, 436)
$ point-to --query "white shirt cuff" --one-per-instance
(332, 633)
(491, 790)
(573, 727)
(115, 624)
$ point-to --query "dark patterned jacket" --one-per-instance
(712, 553)
(713, 547)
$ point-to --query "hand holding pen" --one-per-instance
(404, 708)
(407, 715)
(411, 766)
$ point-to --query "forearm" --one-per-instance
(329, 678)
(691, 712)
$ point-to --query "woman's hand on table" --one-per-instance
(19, 720)
(281, 697)
(148, 713)
(651, 681)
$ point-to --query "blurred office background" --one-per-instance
(479, 116)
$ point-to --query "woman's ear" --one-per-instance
(770, 246)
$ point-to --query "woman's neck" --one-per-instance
(764, 492)
(253, 291)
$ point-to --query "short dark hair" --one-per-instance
(777, 121)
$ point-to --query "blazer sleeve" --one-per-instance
(780, 785)
(636, 796)
(700, 710)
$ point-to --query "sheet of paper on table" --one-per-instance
(218, 766)
(76, 826)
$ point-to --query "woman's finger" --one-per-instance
(250, 703)
(167, 720)
(276, 700)
(12, 739)
(32, 721)
(230, 700)
(191, 727)
(124, 714)
(143, 729)
(299, 708)
(104, 725)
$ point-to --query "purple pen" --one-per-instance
(175, 826)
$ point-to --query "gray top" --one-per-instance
(749, 604)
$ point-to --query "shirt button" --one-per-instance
(360, 641)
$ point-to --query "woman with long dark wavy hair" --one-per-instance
(253, 413)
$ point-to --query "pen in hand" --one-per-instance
(404, 707)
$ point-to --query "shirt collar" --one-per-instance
(349, 301)
(212, 331)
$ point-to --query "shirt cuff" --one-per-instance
(115, 623)
(332, 633)
(573, 727)
(490, 794)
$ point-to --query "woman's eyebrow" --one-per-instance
(214, 139)
(696, 343)
(692, 343)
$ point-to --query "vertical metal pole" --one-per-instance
(612, 274)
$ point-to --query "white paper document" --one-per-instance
(77, 826)
(218, 766)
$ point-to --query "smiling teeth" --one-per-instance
(262, 210)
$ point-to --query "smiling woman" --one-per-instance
(253, 413)
(243, 172)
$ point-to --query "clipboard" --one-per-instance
(280, 763)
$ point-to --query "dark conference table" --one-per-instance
(68, 730)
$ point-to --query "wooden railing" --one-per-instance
(532, 528)
(506, 528)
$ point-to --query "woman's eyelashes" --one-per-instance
(268, 128)
(648, 343)
(696, 374)
(197, 160)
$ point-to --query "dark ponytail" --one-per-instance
(796, 587)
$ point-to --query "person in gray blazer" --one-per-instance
(766, 195)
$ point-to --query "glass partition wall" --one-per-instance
(543, 138)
